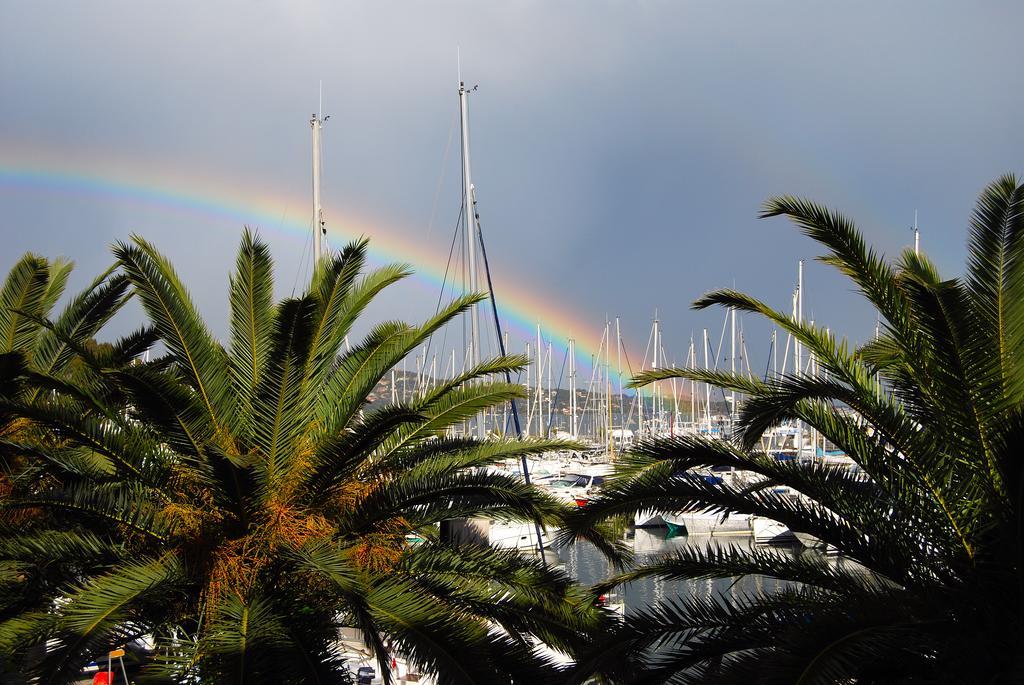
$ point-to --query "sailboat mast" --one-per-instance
(608, 386)
(572, 387)
(917, 236)
(798, 351)
(529, 410)
(732, 364)
(655, 415)
(316, 123)
(539, 367)
(551, 394)
(618, 371)
(707, 387)
(692, 358)
(798, 355)
(469, 211)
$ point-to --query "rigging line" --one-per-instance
(519, 379)
(441, 176)
(558, 389)
(636, 391)
(306, 245)
(768, 364)
(721, 341)
(508, 379)
(444, 337)
(714, 355)
(629, 367)
(444, 282)
(594, 368)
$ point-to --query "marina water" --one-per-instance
(585, 563)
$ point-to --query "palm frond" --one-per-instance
(525, 596)
(168, 406)
(849, 253)
(102, 610)
(60, 270)
(360, 370)
(995, 275)
(456, 453)
(83, 317)
(251, 292)
(341, 297)
(443, 411)
(243, 639)
(281, 406)
(425, 500)
(730, 561)
(56, 545)
(128, 506)
(342, 456)
(174, 316)
(23, 291)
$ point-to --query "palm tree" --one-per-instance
(929, 585)
(241, 502)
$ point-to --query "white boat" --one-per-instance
(520, 535)
(769, 532)
(648, 519)
(579, 485)
(707, 523)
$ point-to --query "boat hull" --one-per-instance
(701, 523)
(515, 535)
(768, 532)
(648, 519)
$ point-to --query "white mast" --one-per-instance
(540, 384)
(917, 236)
(618, 370)
(572, 387)
(732, 364)
(469, 211)
(316, 122)
(692, 358)
(640, 405)
(655, 415)
(529, 411)
(798, 352)
(798, 355)
(551, 395)
(707, 387)
(606, 410)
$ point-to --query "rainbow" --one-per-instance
(518, 305)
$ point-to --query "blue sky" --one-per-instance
(621, 150)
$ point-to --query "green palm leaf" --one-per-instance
(251, 292)
(96, 613)
(23, 293)
(82, 319)
(995, 275)
(169, 306)
(360, 370)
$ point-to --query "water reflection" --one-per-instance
(588, 566)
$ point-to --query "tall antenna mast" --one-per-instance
(316, 122)
(917, 236)
(472, 228)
